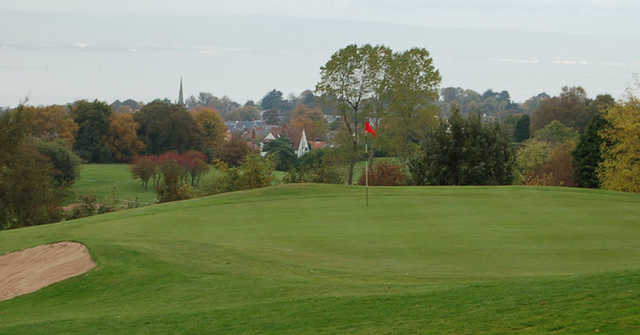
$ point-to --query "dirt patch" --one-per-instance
(29, 270)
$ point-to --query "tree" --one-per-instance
(255, 172)
(281, 152)
(51, 123)
(413, 85)
(521, 132)
(172, 187)
(245, 113)
(65, 164)
(122, 137)
(271, 117)
(234, 151)
(463, 152)
(351, 77)
(620, 168)
(272, 100)
(570, 108)
(311, 120)
(588, 156)
(92, 119)
(559, 170)
(211, 127)
(144, 168)
(28, 193)
(556, 133)
(195, 164)
(165, 126)
(532, 158)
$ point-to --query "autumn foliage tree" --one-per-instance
(29, 194)
(311, 120)
(234, 151)
(51, 123)
(620, 168)
(122, 138)
(144, 168)
(211, 127)
(570, 108)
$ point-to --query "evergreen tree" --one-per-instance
(587, 155)
(522, 129)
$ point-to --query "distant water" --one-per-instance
(61, 58)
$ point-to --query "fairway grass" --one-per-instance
(311, 259)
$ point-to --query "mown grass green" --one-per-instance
(311, 259)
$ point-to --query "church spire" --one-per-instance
(181, 95)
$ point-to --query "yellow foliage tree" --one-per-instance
(212, 128)
(122, 137)
(51, 123)
(620, 169)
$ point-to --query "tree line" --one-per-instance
(436, 137)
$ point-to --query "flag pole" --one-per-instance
(366, 168)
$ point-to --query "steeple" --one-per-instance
(181, 95)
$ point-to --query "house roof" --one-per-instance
(317, 144)
(293, 134)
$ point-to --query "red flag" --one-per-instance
(369, 129)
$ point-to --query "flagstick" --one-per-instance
(366, 171)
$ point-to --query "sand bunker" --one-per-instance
(29, 270)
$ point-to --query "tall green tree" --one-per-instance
(521, 132)
(464, 152)
(588, 155)
(165, 126)
(272, 100)
(413, 95)
(350, 78)
(92, 119)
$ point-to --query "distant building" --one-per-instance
(181, 94)
(298, 138)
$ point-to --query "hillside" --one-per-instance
(311, 259)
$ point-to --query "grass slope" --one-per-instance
(310, 259)
(107, 181)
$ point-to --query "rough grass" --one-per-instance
(114, 181)
(107, 181)
(311, 259)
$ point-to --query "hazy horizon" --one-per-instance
(90, 50)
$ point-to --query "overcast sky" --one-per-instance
(60, 51)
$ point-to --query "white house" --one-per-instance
(298, 138)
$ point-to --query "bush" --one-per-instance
(66, 164)
(254, 172)
(385, 174)
(234, 152)
(318, 166)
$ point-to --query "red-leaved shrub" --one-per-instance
(385, 174)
